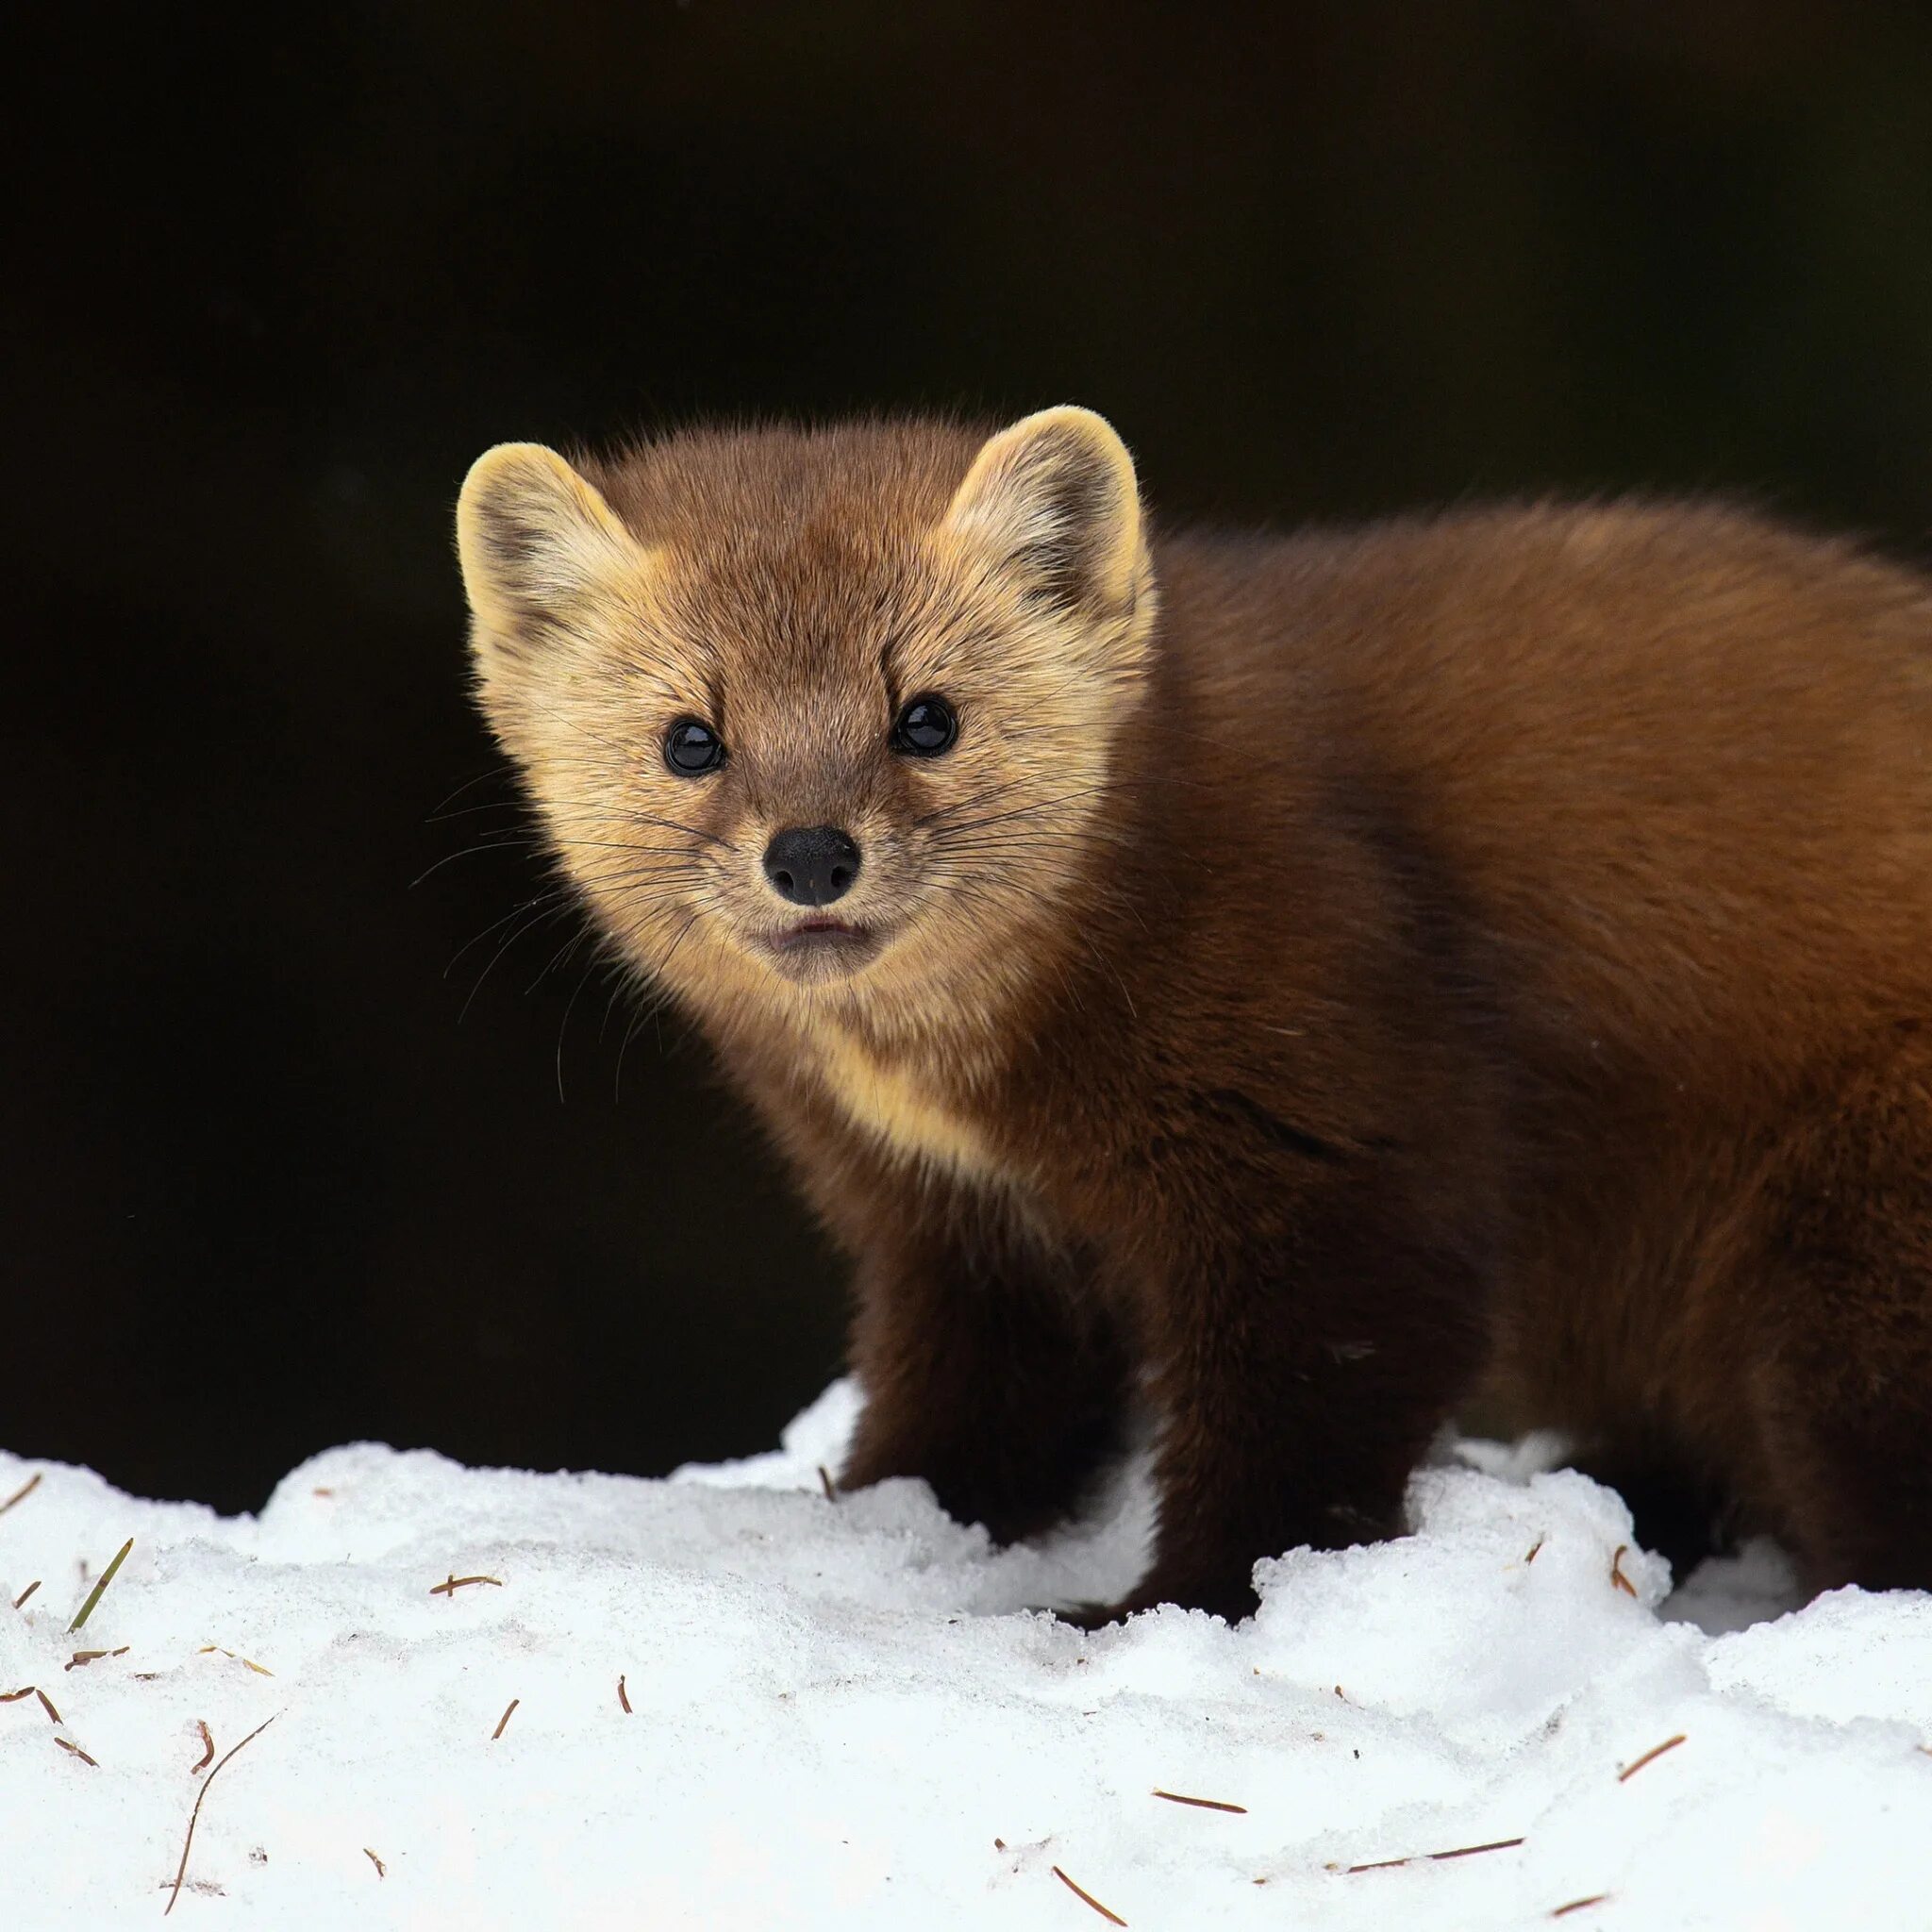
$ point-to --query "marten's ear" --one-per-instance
(1054, 497)
(535, 539)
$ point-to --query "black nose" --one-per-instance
(812, 865)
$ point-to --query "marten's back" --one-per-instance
(1674, 763)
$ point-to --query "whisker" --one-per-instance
(617, 1083)
(556, 959)
(506, 843)
(464, 811)
(530, 924)
(469, 784)
(522, 906)
(570, 1007)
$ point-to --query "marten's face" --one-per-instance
(816, 714)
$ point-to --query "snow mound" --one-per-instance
(840, 1711)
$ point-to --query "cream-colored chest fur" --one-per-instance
(900, 1110)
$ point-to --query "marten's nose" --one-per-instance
(811, 865)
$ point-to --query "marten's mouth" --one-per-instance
(821, 948)
(816, 932)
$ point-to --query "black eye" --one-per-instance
(692, 748)
(927, 726)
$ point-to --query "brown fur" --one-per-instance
(1330, 977)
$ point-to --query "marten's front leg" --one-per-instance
(1298, 1383)
(988, 1369)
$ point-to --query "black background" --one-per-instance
(277, 276)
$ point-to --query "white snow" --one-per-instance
(841, 1715)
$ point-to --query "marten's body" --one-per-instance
(1322, 980)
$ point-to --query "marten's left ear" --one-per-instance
(1053, 498)
(536, 540)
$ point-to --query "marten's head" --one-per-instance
(816, 715)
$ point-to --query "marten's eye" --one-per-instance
(927, 726)
(692, 748)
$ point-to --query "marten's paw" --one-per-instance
(1233, 1599)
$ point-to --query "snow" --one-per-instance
(841, 1712)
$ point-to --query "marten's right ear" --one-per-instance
(536, 540)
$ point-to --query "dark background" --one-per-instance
(275, 277)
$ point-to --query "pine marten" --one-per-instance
(1303, 984)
